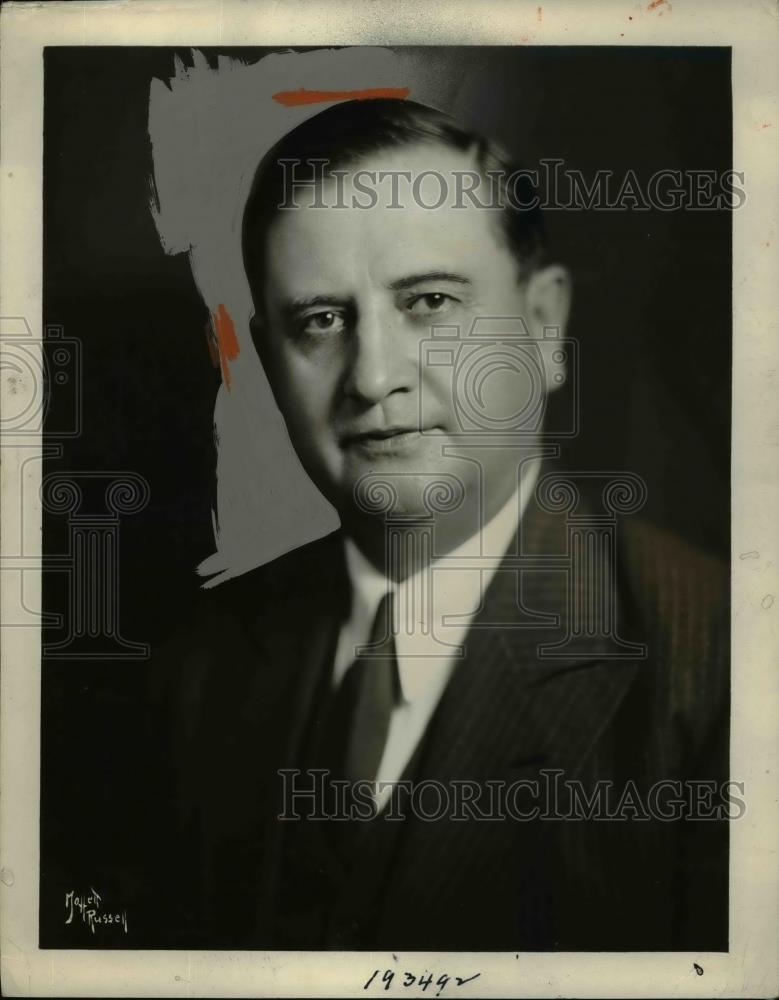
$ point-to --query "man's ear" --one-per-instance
(212, 342)
(258, 339)
(261, 341)
(548, 304)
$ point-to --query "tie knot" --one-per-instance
(378, 657)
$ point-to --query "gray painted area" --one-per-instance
(209, 128)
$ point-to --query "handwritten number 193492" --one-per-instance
(422, 982)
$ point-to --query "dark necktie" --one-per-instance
(363, 705)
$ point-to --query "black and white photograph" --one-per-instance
(389, 513)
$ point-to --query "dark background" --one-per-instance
(652, 310)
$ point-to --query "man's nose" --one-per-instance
(378, 364)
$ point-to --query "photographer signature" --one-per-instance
(89, 906)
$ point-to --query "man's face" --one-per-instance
(350, 294)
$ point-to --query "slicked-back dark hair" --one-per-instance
(346, 133)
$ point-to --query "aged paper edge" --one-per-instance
(751, 28)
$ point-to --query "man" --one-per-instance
(474, 635)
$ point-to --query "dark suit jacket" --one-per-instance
(235, 696)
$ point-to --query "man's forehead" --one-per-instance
(314, 248)
(352, 225)
(410, 174)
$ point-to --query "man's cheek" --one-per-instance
(298, 381)
(437, 391)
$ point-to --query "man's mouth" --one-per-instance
(386, 439)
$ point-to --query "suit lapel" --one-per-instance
(508, 707)
(296, 645)
(506, 714)
(295, 650)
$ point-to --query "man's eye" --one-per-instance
(430, 302)
(323, 322)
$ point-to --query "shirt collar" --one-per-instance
(457, 591)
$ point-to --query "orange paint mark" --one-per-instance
(766, 125)
(292, 98)
(655, 4)
(226, 339)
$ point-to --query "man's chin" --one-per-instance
(404, 489)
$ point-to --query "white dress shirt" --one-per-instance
(426, 647)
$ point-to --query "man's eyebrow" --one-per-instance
(418, 279)
(300, 303)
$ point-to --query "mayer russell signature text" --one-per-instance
(89, 906)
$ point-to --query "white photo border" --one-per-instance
(751, 28)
